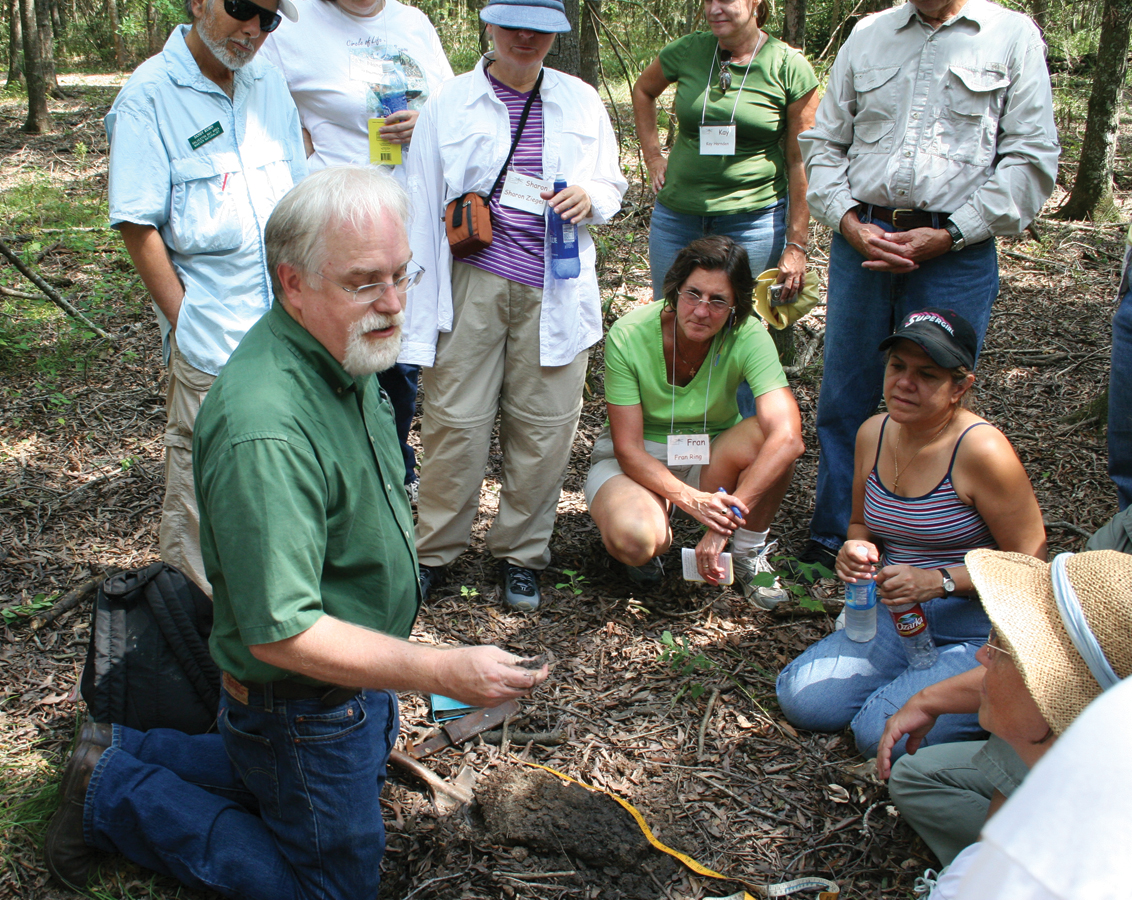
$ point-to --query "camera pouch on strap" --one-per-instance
(467, 219)
(147, 663)
(467, 222)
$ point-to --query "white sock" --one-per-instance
(747, 543)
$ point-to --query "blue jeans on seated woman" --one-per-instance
(839, 682)
(762, 233)
(283, 804)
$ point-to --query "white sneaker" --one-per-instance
(413, 492)
(748, 566)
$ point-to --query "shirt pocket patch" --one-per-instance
(204, 215)
(874, 128)
(973, 99)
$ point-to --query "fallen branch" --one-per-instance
(704, 723)
(53, 295)
(544, 738)
(73, 598)
(19, 295)
(1069, 526)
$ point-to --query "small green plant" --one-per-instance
(40, 601)
(80, 151)
(468, 593)
(808, 573)
(574, 585)
(683, 659)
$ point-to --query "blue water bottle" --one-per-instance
(564, 262)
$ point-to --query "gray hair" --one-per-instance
(321, 204)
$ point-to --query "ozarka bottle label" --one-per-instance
(910, 622)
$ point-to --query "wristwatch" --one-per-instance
(958, 242)
(948, 583)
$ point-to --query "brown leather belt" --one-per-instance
(327, 694)
(903, 219)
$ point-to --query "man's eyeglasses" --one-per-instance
(692, 297)
(991, 645)
(724, 70)
(368, 293)
(242, 10)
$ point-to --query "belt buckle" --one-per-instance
(896, 216)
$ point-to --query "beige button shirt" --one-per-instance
(958, 120)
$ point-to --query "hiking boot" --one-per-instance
(68, 857)
(815, 552)
(430, 577)
(520, 587)
(649, 575)
(413, 492)
(748, 566)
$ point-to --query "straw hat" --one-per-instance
(1017, 592)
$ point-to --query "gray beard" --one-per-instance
(226, 57)
(364, 356)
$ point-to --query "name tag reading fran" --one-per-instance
(717, 140)
(689, 449)
(522, 192)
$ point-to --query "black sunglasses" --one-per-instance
(242, 10)
(725, 71)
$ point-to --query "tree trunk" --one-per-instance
(588, 44)
(152, 28)
(794, 23)
(39, 119)
(1091, 197)
(566, 54)
(47, 46)
(693, 9)
(116, 29)
(15, 38)
(1039, 11)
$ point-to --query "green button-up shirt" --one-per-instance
(302, 510)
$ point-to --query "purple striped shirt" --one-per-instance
(517, 249)
(929, 532)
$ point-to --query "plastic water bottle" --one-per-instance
(395, 98)
(564, 262)
(861, 611)
(912, 626)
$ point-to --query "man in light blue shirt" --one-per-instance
(204, 141)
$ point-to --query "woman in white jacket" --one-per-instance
(495, 330)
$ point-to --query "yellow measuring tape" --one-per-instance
(829, 889)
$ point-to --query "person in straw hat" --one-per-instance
(1061, 636)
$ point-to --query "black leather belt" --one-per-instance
(327, 694)
(903, 219)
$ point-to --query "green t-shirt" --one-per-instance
(635, 374)
(756, 175)
(302, 510)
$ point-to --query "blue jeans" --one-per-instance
(838, 682)
(399, 381)
(282, 804)
(762, 233)
(1120, 394)
(863, 308)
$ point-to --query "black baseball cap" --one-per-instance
(943, 334)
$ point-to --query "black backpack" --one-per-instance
(147, 664)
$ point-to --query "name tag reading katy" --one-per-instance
(522, 192)
(689, 449)
(717, 140)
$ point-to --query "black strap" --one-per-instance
(518, 134)
(183, 638)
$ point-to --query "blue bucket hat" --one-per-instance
(547, 16)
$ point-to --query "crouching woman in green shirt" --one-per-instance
(675, 436)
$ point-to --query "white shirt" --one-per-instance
(958, 120)
(459, 145)
(1063, 834)
(342, 70)
(205, 171)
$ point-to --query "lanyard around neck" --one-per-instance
(738, 93)
(707, 392)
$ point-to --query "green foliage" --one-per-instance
(685, 662)
(40, 203)
(574, 585)
(468, 593)
(797, 585)
(40, 601)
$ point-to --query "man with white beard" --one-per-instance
(204, 141)
(308, 540)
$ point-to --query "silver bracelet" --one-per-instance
(799, 246)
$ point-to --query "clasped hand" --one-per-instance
(572, 203)
(898, 252)
(896, 585)
(714, 511)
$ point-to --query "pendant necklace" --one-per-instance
(896, 451)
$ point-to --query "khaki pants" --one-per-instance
(489, 363)
(179, 537)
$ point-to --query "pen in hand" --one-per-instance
(734, 509)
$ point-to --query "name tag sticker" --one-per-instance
(689, 449)
(522, 192)
(717, 140)
(381, 151)
(201, 138)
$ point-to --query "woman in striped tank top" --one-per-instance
(932, 481)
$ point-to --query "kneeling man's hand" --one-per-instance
(486, 675)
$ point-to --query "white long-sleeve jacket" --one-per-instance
(459, 144)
